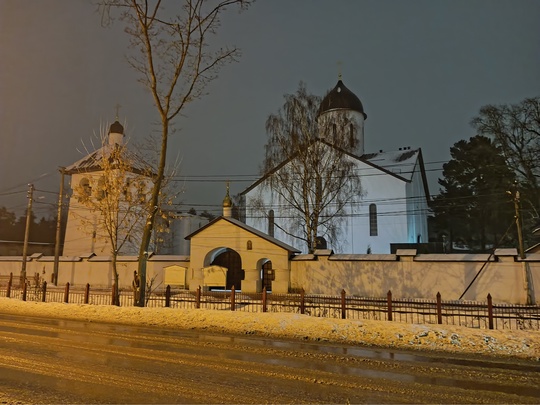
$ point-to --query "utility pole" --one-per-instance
(30, 196)
(526, 270)
(58, 227)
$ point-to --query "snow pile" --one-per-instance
(446, 338)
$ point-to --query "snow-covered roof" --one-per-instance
(401, 162)
(93, 161)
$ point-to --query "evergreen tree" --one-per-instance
(473, 204)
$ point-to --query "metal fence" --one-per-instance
(473, 314)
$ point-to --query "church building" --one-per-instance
(107, 199)
(390, 206)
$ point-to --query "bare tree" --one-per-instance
(516, 130)
(308, 164)
(114, 198)
(175, 63)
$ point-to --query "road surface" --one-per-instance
(59, 361)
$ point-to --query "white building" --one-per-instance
(391, 206)
(85, 229)
(85, 233)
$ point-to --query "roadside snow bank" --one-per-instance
(447, 338)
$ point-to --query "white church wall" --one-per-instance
(83, 230)
(346, 117)
(400, 218)
(387, 193)
(417, 209)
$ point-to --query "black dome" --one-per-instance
(340, 97)
(116, 128)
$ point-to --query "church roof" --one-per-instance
(341, 98)
(116, 128)
(92, 162)
(402, 164)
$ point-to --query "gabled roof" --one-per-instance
(247, 228)
(400, 164)
(92, 162)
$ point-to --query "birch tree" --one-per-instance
(314, 178)
(176, 63)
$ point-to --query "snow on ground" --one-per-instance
(446, 338)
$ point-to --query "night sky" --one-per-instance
(422, 70)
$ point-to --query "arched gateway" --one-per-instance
(228, 252)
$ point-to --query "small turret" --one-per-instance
(116, 133)
(227, 204)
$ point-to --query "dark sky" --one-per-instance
(422, 70)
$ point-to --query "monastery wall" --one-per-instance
(406, 274)
(409, 275)
(95, 270)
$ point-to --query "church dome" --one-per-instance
(341, 98)
(227, 202)
(116, 128)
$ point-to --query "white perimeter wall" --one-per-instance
(406, 274)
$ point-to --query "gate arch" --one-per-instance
(232, 261)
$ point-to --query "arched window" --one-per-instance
(127, 190)
(373, 230)
(271, 223)
(249, 245)
(100, 192)
(352, 140)
(85, 190)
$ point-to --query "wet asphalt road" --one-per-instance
(58, 361)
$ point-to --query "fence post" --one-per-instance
(233, 298)
(43, 298)
(66, 293)
(24, 291)
(168, 296)
(439, 309)
(389, 300)
(198, 298)
(87, 293)
(490, 311)
(264, 297)
(343, 305)
(302, 301)
(10, 282)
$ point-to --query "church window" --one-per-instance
(271, 223)
(373, 230)
(127, 190)
(352, 139)
(100, 192)
(141, 192)
(85, 190)
(249, 245)
(334, 132)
